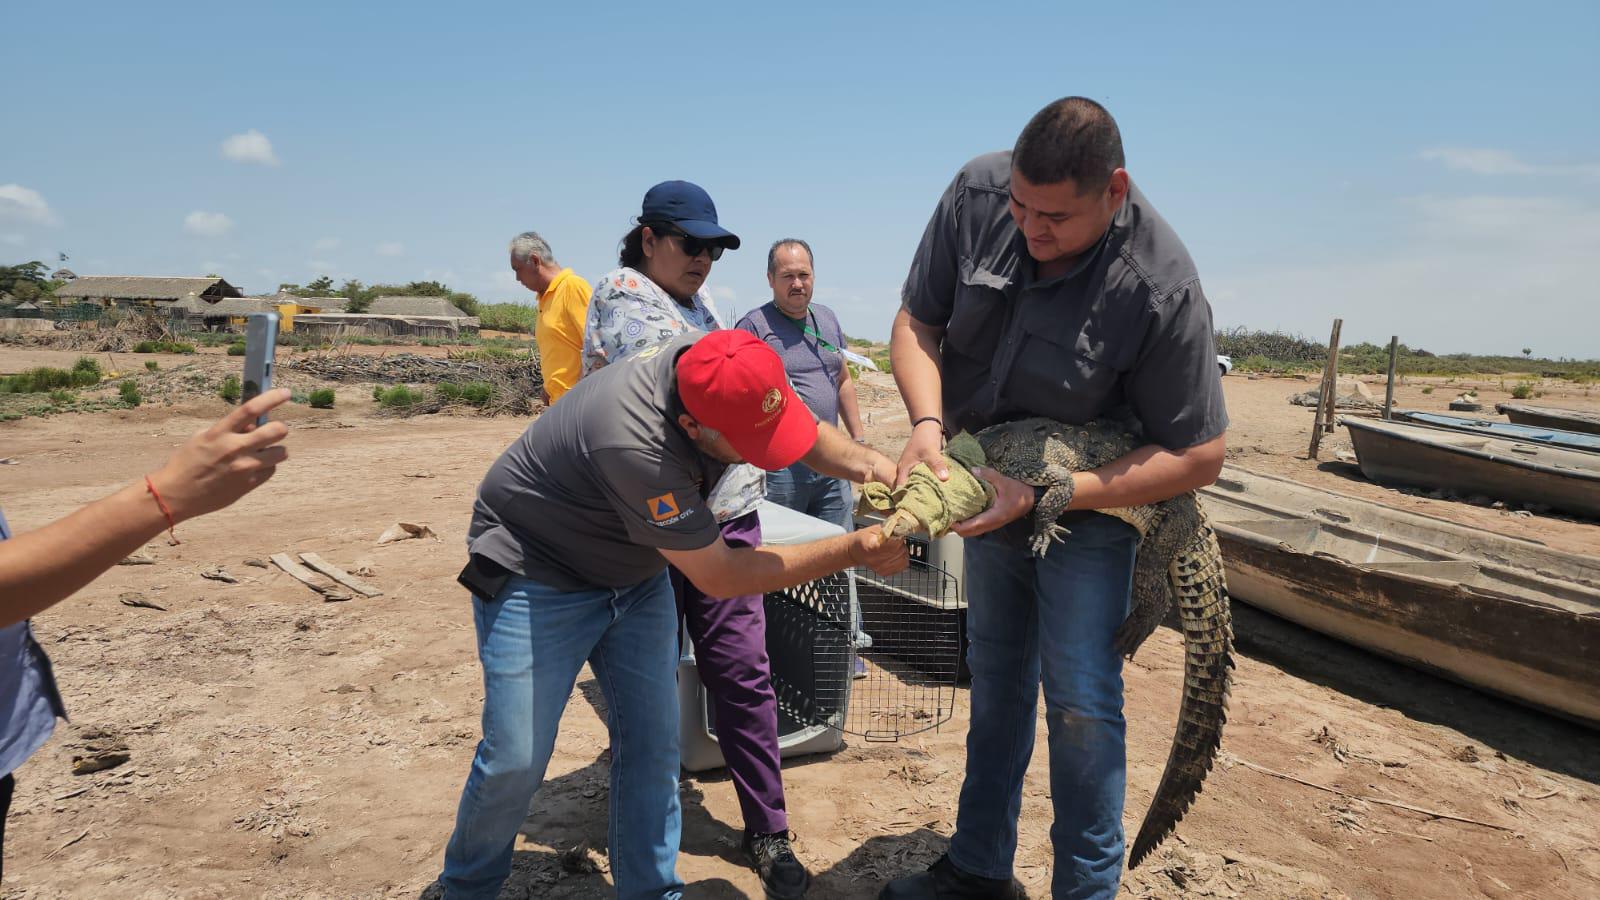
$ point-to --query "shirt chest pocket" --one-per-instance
(978, 316)
(1064, 369)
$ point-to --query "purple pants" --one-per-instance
(730, 648)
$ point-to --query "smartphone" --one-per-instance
(260, 350)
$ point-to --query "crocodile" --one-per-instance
(1178, 557)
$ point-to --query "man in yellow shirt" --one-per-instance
(563, 307)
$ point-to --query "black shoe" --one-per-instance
(943, 881)
(783, 877)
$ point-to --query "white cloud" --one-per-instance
(1482, 274)
(207, 224)
(14, 240)
(326, 244)
(322, 267)
(1488, 161)
(391, 248)
(25, 205)
(250, 147)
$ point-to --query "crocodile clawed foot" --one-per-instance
(1042, 541)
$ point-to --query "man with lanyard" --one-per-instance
(1047, 285)
(563, 306)
(571, 535)
(807, 337)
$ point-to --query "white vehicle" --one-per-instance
(1225, 363)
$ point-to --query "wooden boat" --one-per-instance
(1550, 417)
(1508, 616)
(1506, 469)
(1535, 434)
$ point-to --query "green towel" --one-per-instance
(935, 504)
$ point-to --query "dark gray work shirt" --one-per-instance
(810, 351)
(600, 483)
(29, 701)
(1126, 331)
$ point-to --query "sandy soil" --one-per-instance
(282, 746)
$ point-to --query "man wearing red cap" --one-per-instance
(571, 535)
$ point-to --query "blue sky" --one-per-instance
(1428, 170)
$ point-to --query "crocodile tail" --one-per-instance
(1201, 592)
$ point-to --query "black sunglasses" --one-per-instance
(692, 246)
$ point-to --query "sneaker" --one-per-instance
(773, 858)
(860, 669)
(943, 881)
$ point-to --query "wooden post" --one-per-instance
(1330, 384)
(1388, 393)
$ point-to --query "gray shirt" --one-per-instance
(1126, 331)
(29, 701)
(600, 483)
(810, 351)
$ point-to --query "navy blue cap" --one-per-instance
(689, 207)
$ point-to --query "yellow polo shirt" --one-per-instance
(563, 307)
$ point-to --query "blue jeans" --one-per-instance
(803, 489)
(532, 641)
(1052, 617)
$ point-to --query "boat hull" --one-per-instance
(1396, 456)
(1550, 417)
(1523, 652)
(1535, 434)
(1510, 617)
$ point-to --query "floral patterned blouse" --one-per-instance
(628, 313)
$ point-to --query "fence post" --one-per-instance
(1330, 384)
(1388, 393)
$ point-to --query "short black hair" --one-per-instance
(1073, 139)
(772, 252)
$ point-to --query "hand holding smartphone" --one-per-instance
(260, 353)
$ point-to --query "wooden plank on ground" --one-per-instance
(337, 574)
(307, 577)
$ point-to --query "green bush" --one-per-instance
(1522, 391)
(236, 348)
(230, 390)
(400, 396)
(475, 393)
(377, 392)
(44, 378)
(129, 393)
(86, 371)
(62, 398)
(507, 316)
(1428, 389)
(322, 399)
(151, 365)
(163, 347)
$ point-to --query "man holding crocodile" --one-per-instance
(1046, 285)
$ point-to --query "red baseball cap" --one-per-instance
(731, 381)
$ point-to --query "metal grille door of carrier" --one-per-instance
(913, 623)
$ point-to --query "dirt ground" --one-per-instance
(283, 746)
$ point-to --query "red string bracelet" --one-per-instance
(172, 526)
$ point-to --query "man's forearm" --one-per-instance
(914, 356)
(41, 568)
(838, 456)
(1149, 474)
(774, 567)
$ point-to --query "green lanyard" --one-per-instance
(805, 327)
